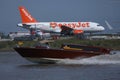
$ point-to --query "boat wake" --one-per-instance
(97, 60)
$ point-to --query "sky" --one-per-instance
(60, 10)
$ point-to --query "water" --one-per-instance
(104, 67)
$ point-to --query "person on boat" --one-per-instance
(19, 44)
(47, 45)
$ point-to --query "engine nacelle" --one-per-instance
(78, 31)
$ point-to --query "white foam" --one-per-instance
(97, 60)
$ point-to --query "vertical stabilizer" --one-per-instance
(25, 16)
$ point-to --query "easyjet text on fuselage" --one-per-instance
(71, 25)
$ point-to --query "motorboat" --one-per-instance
(45, 54)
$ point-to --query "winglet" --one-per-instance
(25, 16)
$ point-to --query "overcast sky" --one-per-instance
(60, 10)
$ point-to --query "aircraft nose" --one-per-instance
(102, 28)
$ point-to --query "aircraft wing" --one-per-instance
(70, 31)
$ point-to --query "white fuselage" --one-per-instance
(56, 26)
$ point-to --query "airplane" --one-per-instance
(30, 23)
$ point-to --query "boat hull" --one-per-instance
(52, 55)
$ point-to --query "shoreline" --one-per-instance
(112, 44)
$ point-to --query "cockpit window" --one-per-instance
(98, 25)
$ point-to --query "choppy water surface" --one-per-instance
(104, 67)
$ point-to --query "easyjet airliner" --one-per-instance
(31, 23)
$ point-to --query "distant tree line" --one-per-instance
(4, 36)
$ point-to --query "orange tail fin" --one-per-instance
(25, 15)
